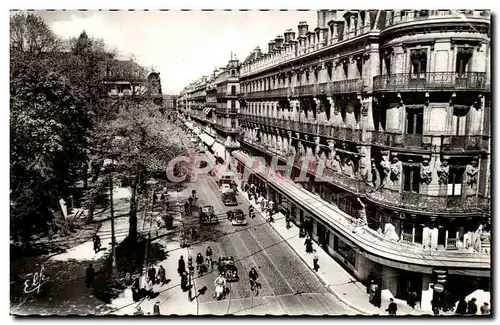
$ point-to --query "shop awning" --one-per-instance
(207, 139)
(207, 110)
(219, 150)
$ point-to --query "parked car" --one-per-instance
(207, 215)
(237, 217)
(229, 198)
(228, 268)
(225, 188)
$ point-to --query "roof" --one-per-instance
(256, 53)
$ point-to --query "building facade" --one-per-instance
(392, 109)
(217, 113)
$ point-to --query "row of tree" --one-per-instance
(63, 124)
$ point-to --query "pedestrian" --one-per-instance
(209, 252)
(97, 243)
(412, 299)
(315, 262)
(142, 285)
(485, 309)
(435, 307)
(152, 274)
(370, 279)
(138, 312)
(184, 281)
(393, 308)
(89, 276)
(377, 298)
(461, 307)
(309, 246)
(149, 288)
(287, 220)
(181, 266)
(156, 308)
(209, 263)
(162, 277)
(158, 221)
(199, 261)
(472, 307)
(135, 290)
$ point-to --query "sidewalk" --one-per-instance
(342, 284)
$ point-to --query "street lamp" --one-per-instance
(151, 182)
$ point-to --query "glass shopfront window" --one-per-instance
(345, 251)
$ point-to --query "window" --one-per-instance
(329, 70)
(462, 66)
(411, 179)
(233, 73)
(233, 90)
(233, 123)
(414, 121)
(387, 63)
(455, 178)
(345, 251)
(233, 104)
(418, 63)
(459, 122)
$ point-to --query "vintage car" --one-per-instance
(228, 268)
(229, 198)
(237, 217)
(207, 215)
(226, 188)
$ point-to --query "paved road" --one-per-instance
(288, 285)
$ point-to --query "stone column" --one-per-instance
(352, 27)
(335, 35)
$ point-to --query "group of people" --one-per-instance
(142, 286)
(258, 193)
(202, 266)
(156, 310)
(470, 308)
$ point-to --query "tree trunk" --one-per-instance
(90, 213)
(132, 230)
(86, 177)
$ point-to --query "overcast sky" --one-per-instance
(183, 46)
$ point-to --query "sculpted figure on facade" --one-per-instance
(375, 172)
(472, 170)
(443, 172)
(425, 172)
(386, 170)
(396, 168)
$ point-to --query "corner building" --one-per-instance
(395, 104)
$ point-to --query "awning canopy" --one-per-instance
(207, 139)
(219, 150)
(207, 110)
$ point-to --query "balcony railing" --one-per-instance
(385, 139)
(346, 86)
(422, 15)
(227, 94)
(417, 201)
(451, 243)
(430, 81)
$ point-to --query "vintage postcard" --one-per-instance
(248, 162)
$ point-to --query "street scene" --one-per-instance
(342, 168)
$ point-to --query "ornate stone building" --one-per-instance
(213, 103)
(388, 114)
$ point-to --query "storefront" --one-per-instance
(207, 139)
(219, 150)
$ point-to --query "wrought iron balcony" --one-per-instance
(428, 142)
(431, 81)
(420, 15)
(346, 86)
(437, 204)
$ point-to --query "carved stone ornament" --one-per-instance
(472, 170)
(395, 169)
(425, 172)
(443, 172)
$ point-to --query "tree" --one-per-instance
(30, 35)
(49, 124)
(141, 143)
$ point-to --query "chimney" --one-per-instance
(271, 45)
(322, 15)
(287, 34)
(279, 41)
(331, 15)
(303, 29)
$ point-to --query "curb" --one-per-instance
(338, 296)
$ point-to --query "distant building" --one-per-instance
(170, 101)
(127, 78)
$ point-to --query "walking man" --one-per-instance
(156, 308)
(162, 277)
(393, 308)
(97, 243)
(182, 266)
(316, 262)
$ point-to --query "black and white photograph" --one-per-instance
(250, 162)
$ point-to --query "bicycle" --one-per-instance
(254, 287)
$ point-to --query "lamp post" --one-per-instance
(151, 182)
